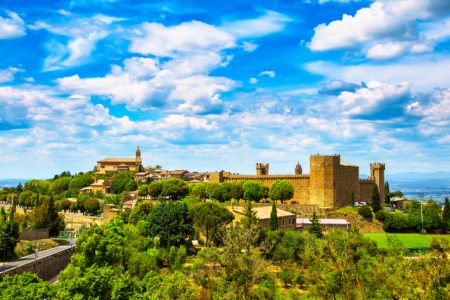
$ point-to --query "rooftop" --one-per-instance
(122, 160)
(323, 221)
(263, 212)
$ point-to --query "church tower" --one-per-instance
(262, 169)
(138, 155)
(298, 169)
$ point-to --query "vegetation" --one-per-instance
(281, 190)
(211, 219)
(9, 234)
(375, 199)
(409, 240)
(315, 227)
(273, 221)
(46, 216)
(365, 212)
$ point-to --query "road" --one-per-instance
(40, 254)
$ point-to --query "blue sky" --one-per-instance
(211, 85)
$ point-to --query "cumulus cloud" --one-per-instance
(385, 29)
(376, 100)
(249, 46)
(12, 26)
(83, 34)
(335, 87)
(8, 74)
(194, 36)
(433, 108)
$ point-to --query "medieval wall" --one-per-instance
(365, 190)
(299, 182)
(347, 182)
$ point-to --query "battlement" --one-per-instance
(262, 169)
(380, 166)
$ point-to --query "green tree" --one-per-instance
(27, 198)
(212, 219)
(281, 190)
(9, 234)
(253, 190)
(214, 191)
(64, 204)
(352, 199)
(387, 193)
(123, 182)
(140, 212)
(198, 190)
(46, 216)
(315, 227)
(60, 185)
(171, 222)
(375, 199)
(38, 186)
(237, 190)
(143, 190)
(273, 221)
(155, 189)
(25, 286)
(365, 212)
(446, 215)
(431, 216)
(91, 206)
(174, 189)
(81, 180)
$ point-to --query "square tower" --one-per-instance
(377, 174)
(322, 181)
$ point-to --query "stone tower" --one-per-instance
(138, 154)
(377, 174)
(298, 169)
(322, 182)
(262, 169)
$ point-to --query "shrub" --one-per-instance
(365, 212)
(380, 215)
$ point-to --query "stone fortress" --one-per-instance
(330, 183)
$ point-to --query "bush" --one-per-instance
(365, 212)
(380, 215)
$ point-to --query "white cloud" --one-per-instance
(425, 73)
(7, 75)
(270, 74)
(12, 26)
(373, 98)
(386, 28)
(194, 36)
(253, 80)
(249, 46)
(435, 108)
(83, 33)
(268, 23)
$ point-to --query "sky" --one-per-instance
(212, 85)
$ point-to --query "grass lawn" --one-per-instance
(410, 240)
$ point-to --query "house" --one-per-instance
(399, 202)
(112, 165)
(101, 185)
(286, 220)
(304, 223)
(130, 204)
(110, 211)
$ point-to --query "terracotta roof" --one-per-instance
(180, 172)
(263, 212)
(125, 160)
(323, 221)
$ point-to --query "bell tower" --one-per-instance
(262, 169)
(138, 154)
(298, 169)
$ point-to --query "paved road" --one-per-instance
(40, 254)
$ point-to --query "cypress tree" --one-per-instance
(273, 221)
(446, 215)
(315, 227)
(387, 194)
(376, 201)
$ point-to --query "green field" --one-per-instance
(410, 240)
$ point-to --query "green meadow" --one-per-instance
(410, 240)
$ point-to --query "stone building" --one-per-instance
(111, 165)
(286, 220)
(330, 183)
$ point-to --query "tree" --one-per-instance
(60, 185)
(140, 212)
(198, 190)
(253, 190)
(365, 212)
(64, 204)
(387, 194)
(315, 227)
(171, 222)
(352, 199)
(212, 219)
(9, 234)
(38, 186)
(155, 189)
(27, 198)
(46, 216)
(143, 190)
(237, 190)
(281, 190)
(81, 180)
(446, 215)
(123, 182)
(174, 189)
(273, 221)
(431, 216)
(249, 219)
(375, 199)
(214, 191)
(91, 206)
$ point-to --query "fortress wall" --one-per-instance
(324, 170)
(365, 190)
(347, 182)
(299, 182)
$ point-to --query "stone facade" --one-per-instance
(330, 183)
(111, 165)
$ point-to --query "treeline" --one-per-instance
(147, 253)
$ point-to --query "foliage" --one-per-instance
(26, 286)
(212, 219)
(174, 189)
(140, 212)
(155, 189)
(46, 216)
(365, 212)
(64, 204)
(446, 215)
(253, 190)
(198, 190)
(315, 227)
(143, 190)
(38, 186)
(375, 199)
(387, 193)
(92, 206)
(81, 180)
(380, 215)
(9, 234)
(60, 185)
(281, 190)
(273, 221)
(27, 198)
(214, 191)
(123, 182)
(171, 222)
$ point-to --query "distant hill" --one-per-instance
(11, 182)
